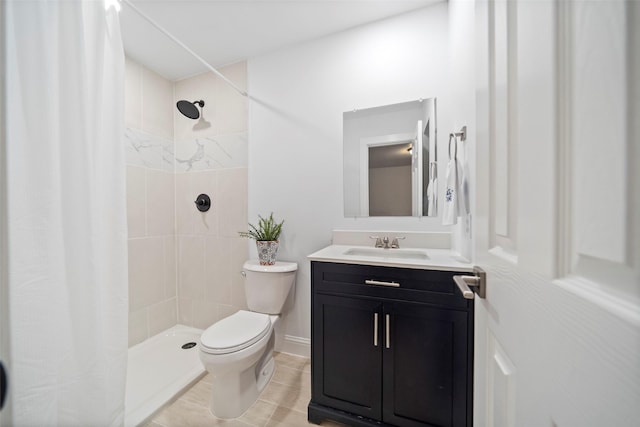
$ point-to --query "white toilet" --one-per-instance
(238, 350)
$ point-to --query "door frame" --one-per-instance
(370, 142)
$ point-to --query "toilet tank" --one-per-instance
(267, 286)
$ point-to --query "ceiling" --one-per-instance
(226, 31)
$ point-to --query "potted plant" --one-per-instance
(266, 236)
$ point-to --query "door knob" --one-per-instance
(478, 282)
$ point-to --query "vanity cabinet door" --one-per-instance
(346, 355)
(390, 355)
(425, 366)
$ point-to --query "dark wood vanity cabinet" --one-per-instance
(383, 354)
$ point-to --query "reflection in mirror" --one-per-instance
(390, 162)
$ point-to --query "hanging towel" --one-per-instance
(432, 190)
(463, 190)
(452, 186)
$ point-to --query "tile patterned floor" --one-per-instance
(282, 403)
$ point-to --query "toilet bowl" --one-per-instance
(237, 351)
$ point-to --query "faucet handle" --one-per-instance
(378, 241)
(395, 244)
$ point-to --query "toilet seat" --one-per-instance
(234, 333)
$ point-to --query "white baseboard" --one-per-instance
(296, 345)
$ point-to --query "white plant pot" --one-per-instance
(267, 251)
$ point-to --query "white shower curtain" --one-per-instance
(66, 213)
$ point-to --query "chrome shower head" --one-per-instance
(189, 109)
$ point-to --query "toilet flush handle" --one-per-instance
(243, 273)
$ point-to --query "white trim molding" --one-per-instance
(299, 346)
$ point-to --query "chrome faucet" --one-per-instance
(378, 243)
(395, 244)
(384, 242)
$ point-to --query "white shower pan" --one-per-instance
(158, 369)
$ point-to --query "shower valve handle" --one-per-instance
(203, 203)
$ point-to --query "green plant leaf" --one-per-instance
(267, 229)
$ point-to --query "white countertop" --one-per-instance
(436, 259)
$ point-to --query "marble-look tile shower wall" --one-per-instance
(184, 265)
(211, 159)
(150, 202)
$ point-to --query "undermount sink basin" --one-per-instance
(407, 254)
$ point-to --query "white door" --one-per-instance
(5, 417)
(557, 216)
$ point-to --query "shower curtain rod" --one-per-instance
(179, 43)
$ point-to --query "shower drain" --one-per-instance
(188, 345)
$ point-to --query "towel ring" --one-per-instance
(455, 145)
(462, 134)
(463, 137)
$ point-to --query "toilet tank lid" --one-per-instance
(278, 267)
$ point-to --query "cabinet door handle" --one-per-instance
(375, 329)
(387, 330)
(379, 283)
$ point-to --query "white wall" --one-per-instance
(462, 95)
(298, 96)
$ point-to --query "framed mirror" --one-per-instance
(390, 160)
